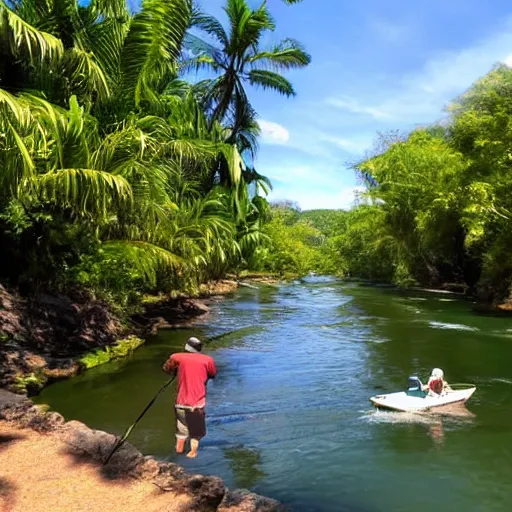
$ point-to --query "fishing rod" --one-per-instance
(131, 427)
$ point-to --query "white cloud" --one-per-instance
(273, 133)
(353, 105)
(308, 165)
(354, 145)
(421, 96)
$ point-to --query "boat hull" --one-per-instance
(403, 402)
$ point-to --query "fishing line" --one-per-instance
(131, 427)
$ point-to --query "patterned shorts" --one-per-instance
(190, 423)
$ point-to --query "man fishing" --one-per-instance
(193, 371)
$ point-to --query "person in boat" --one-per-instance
(193, 370)
(436, 384)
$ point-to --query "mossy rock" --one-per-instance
(96, 358)
(121, 348)
(29, 384)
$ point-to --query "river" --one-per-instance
(289, 414)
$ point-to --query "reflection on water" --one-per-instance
(289, 413)
(246, 466)
(435, 421)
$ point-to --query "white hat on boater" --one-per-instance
(437, 373)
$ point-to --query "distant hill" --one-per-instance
(329, 222)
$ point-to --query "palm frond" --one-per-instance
(153, 46)
(105, 40)
(19, 132)
(212, 27)
(194, 45)
(25, 40)
(11, 105)
(270, 80)
(146, 258)
(110, 8)
(85, 191)
(246, 25)
(289, 54)
(198, 63)
(86, 75)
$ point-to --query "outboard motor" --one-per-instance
(415, 387)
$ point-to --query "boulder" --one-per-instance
(148, 469)
(98, 445)
(195, 307)
(207, 492)
(10, 400)
(243, 500)
(45, 422)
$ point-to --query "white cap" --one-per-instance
(437, 373)
(193, 345)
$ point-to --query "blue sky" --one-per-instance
(377, 66)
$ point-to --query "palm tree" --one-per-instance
(238, 60)
(60, 47)
(106, 156)
(98, 52)
(59, 167)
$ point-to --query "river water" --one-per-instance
(289, 413)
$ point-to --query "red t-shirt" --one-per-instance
(194, 370)
(436, 385)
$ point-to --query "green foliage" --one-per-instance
(237, 59)
(114, 175)
(361, 247)
(293, 245)
(30, 383)
(418, 192)
(438, 201)
(328, 222)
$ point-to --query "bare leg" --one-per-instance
(180, 445)
(194, 446)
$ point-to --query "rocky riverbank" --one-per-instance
(45, 337)
(76, 453)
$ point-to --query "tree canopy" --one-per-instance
(439, 204)
(115, 174)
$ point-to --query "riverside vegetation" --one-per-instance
(436, 211)
(122, 178)
(119, 178)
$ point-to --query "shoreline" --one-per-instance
(37, 370)
(500, 308)
(49, 338)
(91, 447)
(159, 313)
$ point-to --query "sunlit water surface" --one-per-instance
(289, 414)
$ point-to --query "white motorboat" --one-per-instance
(415, 399)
